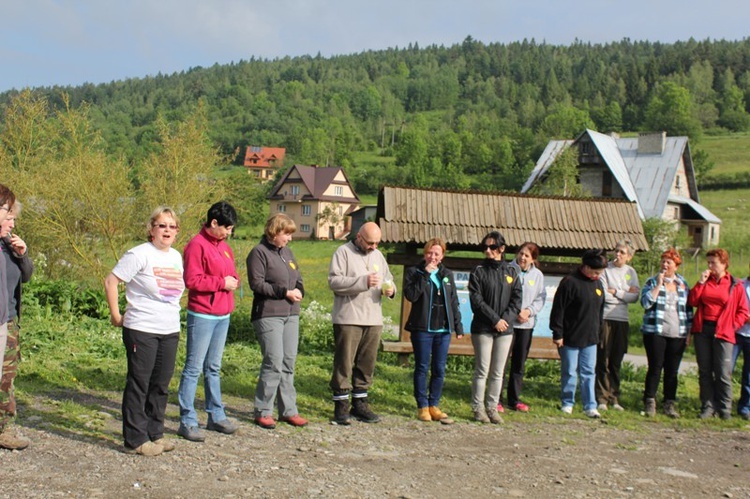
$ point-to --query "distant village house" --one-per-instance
(318, 199)
(264, 162)
(652, 170)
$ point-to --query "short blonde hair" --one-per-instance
(158, 212)
(278, 223)
(435, 241)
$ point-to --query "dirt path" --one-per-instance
(559, 456)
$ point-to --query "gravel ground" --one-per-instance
(539, 457)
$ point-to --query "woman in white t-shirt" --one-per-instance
(152, 273)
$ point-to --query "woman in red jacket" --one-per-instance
(720, 310)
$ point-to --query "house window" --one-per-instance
(282, 208)
(677, 182)
(295, 190)
(306, 210)
(587, 148)
(713, 235)
(607, 184)
(305, 228)
(676, 213)
(338, 190)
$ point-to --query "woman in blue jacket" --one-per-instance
(431, 289)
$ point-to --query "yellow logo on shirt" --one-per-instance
(627, 277)
(531, 282)
(226, 254)
(291, 264)
(509, 279)
(376, 268)
(598, 292)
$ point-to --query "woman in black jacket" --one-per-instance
(495, 293)
(431, 289)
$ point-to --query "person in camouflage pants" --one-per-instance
(18, 269)
(10, 368)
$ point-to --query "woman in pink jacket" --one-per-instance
(211, 278)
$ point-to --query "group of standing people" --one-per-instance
(589, 323)
(590, 326)
(155, 277)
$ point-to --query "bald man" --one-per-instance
(359, 277)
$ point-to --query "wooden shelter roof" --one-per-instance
(560, 226)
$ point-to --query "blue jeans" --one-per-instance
(430, 353)
(577, 363)
(205, 348)
(743, 346)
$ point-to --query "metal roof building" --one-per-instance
(652, 170)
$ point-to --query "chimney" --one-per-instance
(651, 142)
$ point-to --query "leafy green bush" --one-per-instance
(55, 296)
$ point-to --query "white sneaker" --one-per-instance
(592, 413)
(567, 409)
(617, 407)
(603, 407)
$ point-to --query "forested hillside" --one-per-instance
(479, 114)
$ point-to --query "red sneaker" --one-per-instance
(295, 420)
(266, 422)
(521, 407)
(500, 408)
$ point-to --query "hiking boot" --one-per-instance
(265, 422)
(707, 412)
(224, 426)
(670, 409)
(167, 445)
(423, 414)
(649, 407)
(437, 415)
(147, 449)
(725, 415)
(361, 410)
(341, 412)
(494, 416)
(192, 433)
(11, 440)
(480, 414)
(295, 420)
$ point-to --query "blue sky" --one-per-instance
(66, 42)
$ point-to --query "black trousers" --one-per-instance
(519, 353)
(662, 353)
(613, 345)
(151, 360)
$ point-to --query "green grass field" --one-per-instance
(730, 153)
